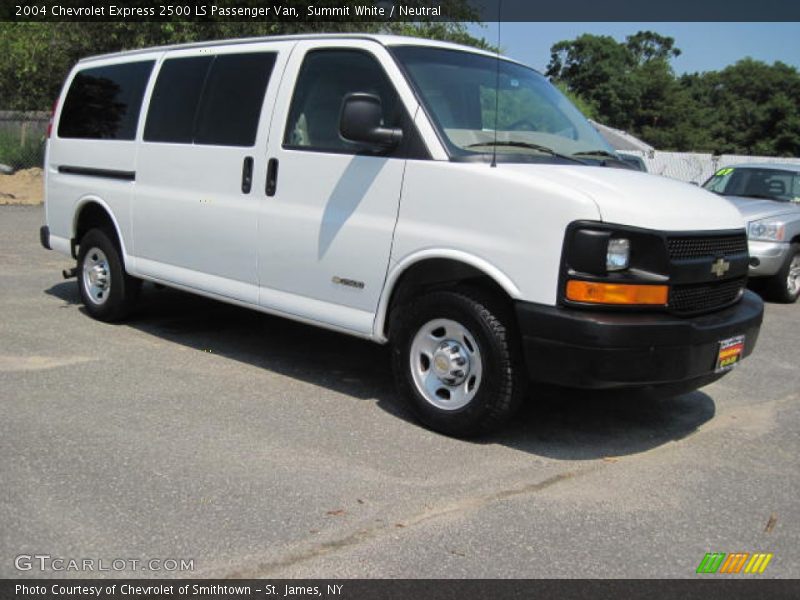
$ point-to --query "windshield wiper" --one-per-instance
(761, 196)
(600, 153)
(516, 144)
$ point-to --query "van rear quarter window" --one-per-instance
(209, 100)
(105, 102)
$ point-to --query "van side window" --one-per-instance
(325, 78)
(173, 105)
(232, 100)
(105, 102)
(209, 100)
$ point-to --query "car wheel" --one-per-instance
(456, 361)
(784, 286)
(107, 291)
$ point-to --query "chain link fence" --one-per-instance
(22, 140)
(693, 167)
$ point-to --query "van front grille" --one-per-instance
(681, 248)
(702, 297)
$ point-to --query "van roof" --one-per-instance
(385, 40)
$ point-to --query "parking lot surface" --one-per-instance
(258, 447)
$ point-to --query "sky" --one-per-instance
(704, 46)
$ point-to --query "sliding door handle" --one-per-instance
(272, 176)
(247, 175)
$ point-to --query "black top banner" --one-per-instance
(343, 11)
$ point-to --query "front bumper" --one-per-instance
(766, 258)
(597, 349)
(44, 237)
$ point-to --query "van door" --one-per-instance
(203, 147)
(325, 231)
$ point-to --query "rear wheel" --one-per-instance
(107, 291)
(456, 361)
(784, 286)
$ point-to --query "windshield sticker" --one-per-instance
(723, 172)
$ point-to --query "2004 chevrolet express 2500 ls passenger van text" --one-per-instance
(436, 197)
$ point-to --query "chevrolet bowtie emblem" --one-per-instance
(720, 266)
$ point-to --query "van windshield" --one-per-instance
(467, 94)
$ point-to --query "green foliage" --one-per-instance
(598, 69)
(747, 108)
(19, 155)
(755, 107)
(38, 56)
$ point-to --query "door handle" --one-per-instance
(247, 175)
(272, 176)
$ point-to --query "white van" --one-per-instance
(435, 197)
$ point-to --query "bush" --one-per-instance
(20, 156)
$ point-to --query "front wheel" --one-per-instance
(107, 291)
(784, 286)
(456, 361)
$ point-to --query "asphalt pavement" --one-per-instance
(246, 445)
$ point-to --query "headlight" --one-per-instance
(768, 230)
(623, 253)
(618, 254)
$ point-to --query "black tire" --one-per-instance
(778, 286)
(119, 298)
(502, 384)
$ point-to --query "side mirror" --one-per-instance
(361, 121)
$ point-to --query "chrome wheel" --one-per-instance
(96, 276)
(793, 277)
(446, 364)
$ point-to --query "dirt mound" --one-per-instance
(23, 187)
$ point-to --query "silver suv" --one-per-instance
(768, 196)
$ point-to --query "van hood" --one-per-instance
(753, 209)
(640, 199)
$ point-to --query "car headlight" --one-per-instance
(618, 255)
(767, 230)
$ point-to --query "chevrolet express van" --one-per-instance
(434, 197)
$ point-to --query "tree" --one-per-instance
(597, 69)
(628, 83)
(648, 46)
(747, 108)
(755, 108)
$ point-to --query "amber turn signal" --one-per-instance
(616, 293)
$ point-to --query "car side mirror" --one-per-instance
(361, 121)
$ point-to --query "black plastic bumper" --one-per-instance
(584, 349)
(44, 236)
